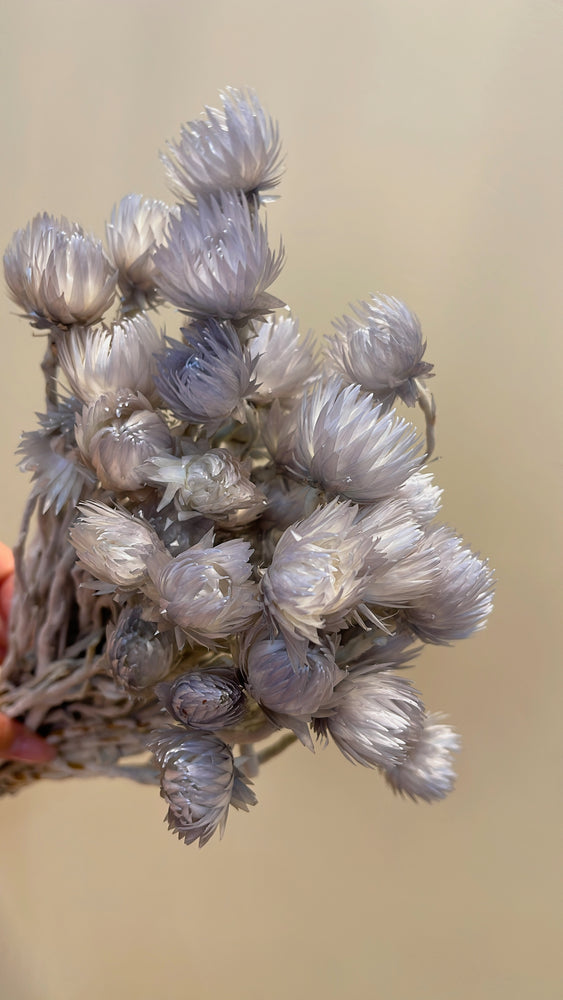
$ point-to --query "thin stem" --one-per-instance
(285, 741)
(426, 402)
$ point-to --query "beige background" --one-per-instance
(424, 153)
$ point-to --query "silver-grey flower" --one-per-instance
(380, 347)
(58, 273)
(216, 260)
(199, 781)
(236, 147)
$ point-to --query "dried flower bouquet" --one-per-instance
(232, 533)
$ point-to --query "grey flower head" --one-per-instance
(114, 546)
(282, 688)
(427, 773)
(206, 379)
(216, 260)
(139, 654)
(208, 699)
(58, 274)
(207, 591)
(199, 781)
(116, 434)
(347, 445)
(98, 360)
(59, 476)
(137, 226)
(376, 719)
(381, 348)
(318, 576)
(215, 484)
(284, 361)
(460, 598)
(235, 148)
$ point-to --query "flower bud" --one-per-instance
(199, 782)
(208, 699)
(139, 655)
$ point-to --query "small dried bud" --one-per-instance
(427, 773)
(139, 655)
(209, 699)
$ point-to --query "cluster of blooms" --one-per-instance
(254, 519)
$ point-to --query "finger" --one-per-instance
(17, 742)
(6, 561)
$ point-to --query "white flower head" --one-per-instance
(114, 546)
(345, 444)
(199, 781)
(216, 260)
(317, 576)
(460, 598)
(59, 274)
(116, 434)
(215, 484)
(409, 565)
(208, 592)
(209, 699)
(139, 654)
(98, 360)
(137, 226)
(206, 379)
(380, 347)
(236, 147)
(377, 717)
(427, 773)
(284, 361)
(423, 496)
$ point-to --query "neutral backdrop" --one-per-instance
(424, 160)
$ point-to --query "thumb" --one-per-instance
(17, 742)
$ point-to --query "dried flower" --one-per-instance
(459, 600)
(114, 546)
(98, 360)
(206, 379)
(427, 772)
(199, 782)
(376, 718)
(214, 483)
(238, 147)
(210, 699)
(58, 274)
(284, 362)
(345, 444)
(318, 576)
(216, 260)
(207, 590)
(116, 434)
(137, 226)
(139, 654)
(380, 347)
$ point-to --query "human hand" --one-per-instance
(17, 742)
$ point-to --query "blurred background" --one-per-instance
(424, 160)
